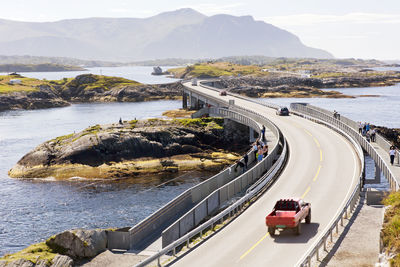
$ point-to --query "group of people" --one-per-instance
(260, 150)
(366, 130)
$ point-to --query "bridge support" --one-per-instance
(252, 135)
(184, 100)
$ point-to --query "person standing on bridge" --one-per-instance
(246, 160)
(259, 154)
(360, 127)
(263, 133)
(255, 148)
(392, 154)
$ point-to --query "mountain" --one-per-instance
(184, 33)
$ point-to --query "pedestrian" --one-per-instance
(265, 151)
(334, 114)
(255, 148)
(364, 129)
(259, 154)
(360, 127)
(367, 127)
(392, 153)
(368, 136)
(246, 160)
(120, 121)
(373, 135)
(241, 165)
(263, 133)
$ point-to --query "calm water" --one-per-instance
(33, 210)
(137, 73)
(381, 110)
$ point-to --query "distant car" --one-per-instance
(194, 82)
(282, 111)
(222, 93)
(288, 213)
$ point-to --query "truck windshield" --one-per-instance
(287, 205)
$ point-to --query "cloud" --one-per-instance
(212, 9)
(350, 18)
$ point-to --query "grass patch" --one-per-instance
(60, 139)
(104, 82)
(217, 69)
(391, 226)
(33, 253)
(213, 123)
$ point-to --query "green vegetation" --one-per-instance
(391, 226)
(33, 253)
(60, 139)
(104, 82)
(26, 85)
(217, 69)
(214, 123)
(133, 123)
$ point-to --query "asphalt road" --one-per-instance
(323, 168)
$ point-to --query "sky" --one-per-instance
(346, 28)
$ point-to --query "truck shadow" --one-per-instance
(308, 231)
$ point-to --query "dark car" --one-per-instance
(282, 111)
(222, 93)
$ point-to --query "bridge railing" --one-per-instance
(267, 179)
(167, 214)
(220, 196)
(351, 133)
(351, 128)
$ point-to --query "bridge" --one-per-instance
(314, 156)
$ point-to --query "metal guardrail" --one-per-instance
(359, 141)
(267, 178)
(217, 198)
(194, 194)
(353, 132)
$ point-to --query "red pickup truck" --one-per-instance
(288, 213)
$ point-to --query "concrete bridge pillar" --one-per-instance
(184, 100)
(377, 174)
(252, 135)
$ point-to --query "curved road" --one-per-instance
(323, 168)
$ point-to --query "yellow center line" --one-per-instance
(305, 193)
(308, 132)
(320, 155)
(255, 245)
(316, 175)
(316, 141)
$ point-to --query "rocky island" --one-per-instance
(136, 147)
(285, 77)
(17, 92)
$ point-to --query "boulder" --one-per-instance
(62, 261)
(79, 243)
(21, 263)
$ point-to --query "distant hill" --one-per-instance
(184, 33)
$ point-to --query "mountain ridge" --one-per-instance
(180, 33)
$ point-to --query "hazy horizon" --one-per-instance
(356, 29)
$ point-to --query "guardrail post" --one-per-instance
(331, 234)
(174, 251)
(325, 244)
(341, 220)
(158, 262)
(317, 252)
(187, 243)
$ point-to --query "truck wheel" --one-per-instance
(308, 218)
(271, 231)
(298, 229)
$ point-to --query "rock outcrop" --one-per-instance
(135, 147)
(79, 243)
(87, 88)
